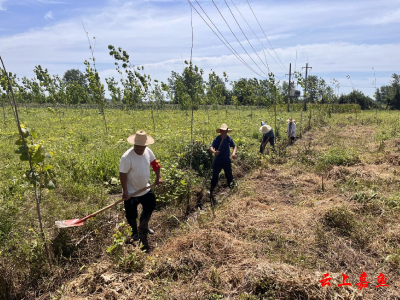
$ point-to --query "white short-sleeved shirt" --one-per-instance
(138, 169)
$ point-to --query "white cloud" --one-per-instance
(51, 2)
(2, 4)
(49, 16)
(387, 18)
(159, 37)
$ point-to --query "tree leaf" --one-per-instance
(24, 157)
(21, 149)
(20, 141)
(38, 153)
(47, 167)
(34, 133)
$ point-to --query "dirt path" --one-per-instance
(275, 237)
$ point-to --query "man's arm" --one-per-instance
(266, 141)
(158, 177)
(157, 170)
(123, 177)
(213, 151)
(234, 152)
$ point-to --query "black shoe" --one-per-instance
(150, 231)
(144, 248)
(132, 239)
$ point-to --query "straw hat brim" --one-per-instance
(218, 130)
(289, 120)
(265, 129)
(149, 140)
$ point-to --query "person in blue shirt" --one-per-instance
(268, 136)
(220, 148)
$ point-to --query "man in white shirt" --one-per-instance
(134, 173)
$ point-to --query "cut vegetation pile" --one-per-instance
(330, 206)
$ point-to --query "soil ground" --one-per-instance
(276, 235)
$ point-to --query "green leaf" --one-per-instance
(34, 133)
(25, 132)
(38, 153)
(24, 157)
(21, 149)
(47, 167)
(20, 141)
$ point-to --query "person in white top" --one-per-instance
(134, 173)
(291, 130)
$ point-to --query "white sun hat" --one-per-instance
(265, 129)
(140, 138)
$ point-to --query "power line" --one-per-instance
(246, 36)
(238, 55)
(265, 35)
(240, 59)
(237, 38)
(253, 32)
(259, 40)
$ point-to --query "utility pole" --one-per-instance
(305, 88)
(288, 98)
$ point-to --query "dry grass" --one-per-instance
(277, 236)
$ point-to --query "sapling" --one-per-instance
(136, 85)
(32, 150)
(53, 86)
(95, 85)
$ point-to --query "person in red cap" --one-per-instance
(134, 173)
(220, 148)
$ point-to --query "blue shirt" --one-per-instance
(224, 152)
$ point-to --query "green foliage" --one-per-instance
(119, 237)
(95, 86)
(33, 150)
(74, 76)
(357, 97)
(389, 95)
(214, 296)
(99, 168)
(128, 261)
(198, 155)
(86, 159)
(187, 89)
(337, 156)
(174, 188)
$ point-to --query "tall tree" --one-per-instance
(75, 76)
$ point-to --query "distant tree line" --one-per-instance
(186, 89)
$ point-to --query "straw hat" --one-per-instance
(140, 139)
(223, 127)
(290, 120)
(265, 129)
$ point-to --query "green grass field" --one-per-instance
(86, 168)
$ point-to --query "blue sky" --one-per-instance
(337, 38)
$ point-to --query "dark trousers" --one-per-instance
(148, 202)
(271, 142)
(217, 167)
